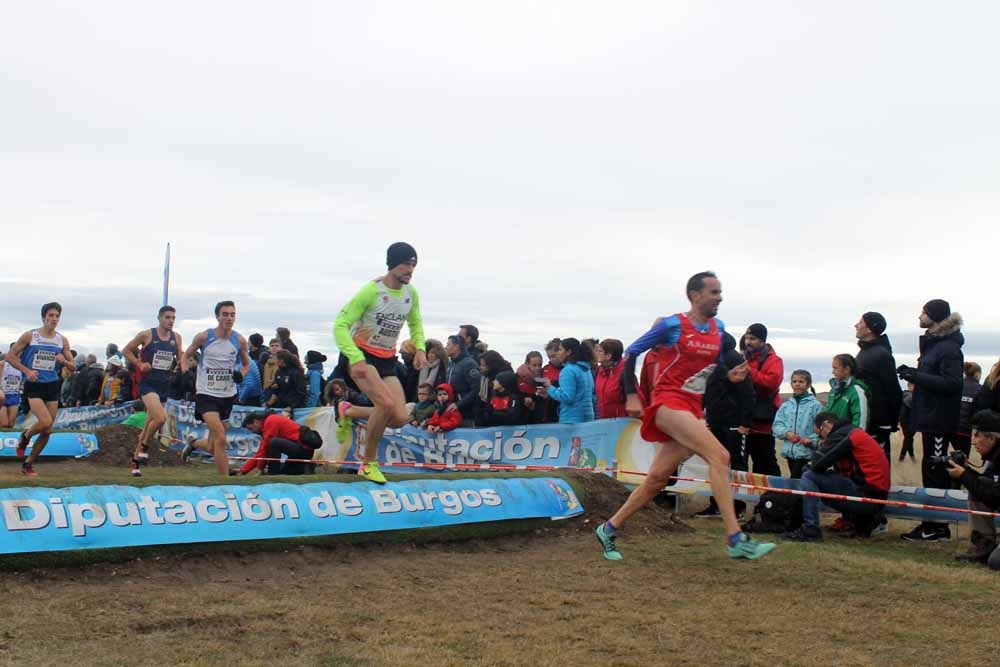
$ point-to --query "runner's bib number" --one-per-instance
(696, 383)
(12, 384)
(388, 332)
(218, 379)
(45, 360)
(163, 360)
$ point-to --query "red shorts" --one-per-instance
(672, 400)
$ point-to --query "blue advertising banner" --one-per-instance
(88, 418)
(60, 444)
(94, 517)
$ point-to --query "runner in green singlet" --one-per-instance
(366, 332)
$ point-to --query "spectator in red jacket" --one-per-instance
(279, 435)
(608, 383)
(766, 372)
(446, 415)
(527, 374)
(551, 372)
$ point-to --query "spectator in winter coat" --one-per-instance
(877, 369)
(904, 424)
(111, 386)
(794, 425)
(87, 388)
(550, 372)
(435, 369)
(848, 395)
(270, 368)
(446, 415)
(728, 406)
(424, 408)
(970, 389)
(314, 377)
(255, 345)
(860, 469)
(766, 372)
(491, 363)
(608, 382)
(983, 488)
(988, 397)
(528, 375)
(506, 406)
(463, 378)
(576, 384)
(469, 334)
(285, 336)
(249, 391)
(937, 400)
(410, 377)
(288, 390)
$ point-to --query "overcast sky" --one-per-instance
(561, 167)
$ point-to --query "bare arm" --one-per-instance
(244, 356)
(131, 351)
(66, 357)
(196, 343)
(182, 359)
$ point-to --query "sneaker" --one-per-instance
(608, 543)
(22, 445)
(710, 512)
(345, 425)
(880, 528)
(142, 456)
(804, 534)
(371, 472)
(135, 468)
(28, 471)
(924, 533)
(842, 525)
(750, 549)
(979, 550)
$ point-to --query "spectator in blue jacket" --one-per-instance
(794, 424)
(575, 392)
(249, 391)
(314, 377)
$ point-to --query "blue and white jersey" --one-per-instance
(40, 355)
(215, 368)
(11, 381)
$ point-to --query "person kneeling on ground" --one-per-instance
(446, 413)
(861, 470)
(280, 435)
(984, 489)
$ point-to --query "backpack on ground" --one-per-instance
(775, 513)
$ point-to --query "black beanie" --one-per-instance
(937, 309)
(758, 330)
(875, 322)
(314, 357)
(400, 252)
(986, 420)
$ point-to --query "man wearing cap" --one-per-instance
(877, 367)
(767, 371)
(937, 400)
(367, 331)
(984, 489)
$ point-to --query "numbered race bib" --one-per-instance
(45, 360)
(218, 379)
(163, 360)
(12, 384)
(696, 383)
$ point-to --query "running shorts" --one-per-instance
(204, 403)
(47, 391)
(673, 400)
(161, 389)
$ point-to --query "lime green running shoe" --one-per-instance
(608, 543)
(750, 549)
(371, 472)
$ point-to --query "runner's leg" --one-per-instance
(216, 441)
(667, 458)
(155, 418)
(45, 414)
(390, 408)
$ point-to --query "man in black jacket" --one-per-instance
(87, 386)
(984, 489)
(728, 409)
(877, 367)
(937, 400)
(464, 378)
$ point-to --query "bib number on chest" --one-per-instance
(219, 379)
(163, 360)
(45, 360)
(12, 384)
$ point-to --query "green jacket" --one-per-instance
(849, 400)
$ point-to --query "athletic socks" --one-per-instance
(609, 528)
(733, 540)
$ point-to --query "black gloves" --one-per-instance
(237, 377)
(906, 372)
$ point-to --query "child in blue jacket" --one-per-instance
(793, 424)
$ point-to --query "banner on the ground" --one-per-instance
(60, 444)
(87, 418)
(93, 517)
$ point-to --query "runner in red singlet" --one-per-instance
(687, 350)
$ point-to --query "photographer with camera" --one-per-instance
(983, 488)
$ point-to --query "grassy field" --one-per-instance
(526, 593)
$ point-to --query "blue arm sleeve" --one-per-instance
(666, 331)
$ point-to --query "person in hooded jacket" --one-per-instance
(877, 369)
(446, 415)
(767, 371)
(289, 386)
(314, 377)
(970, 389)
(506, 407)
(575, 392)
(848, 396)
(608, 382)
(795, 423)
(983, 489)
(937, 400)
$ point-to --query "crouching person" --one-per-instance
(983, 488)
(280, 435)
(859, 468)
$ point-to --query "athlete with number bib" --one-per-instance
(39, 354)
(11, 386)
(366, 331)
(155, 352)
(690, 346)
(215, 383)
